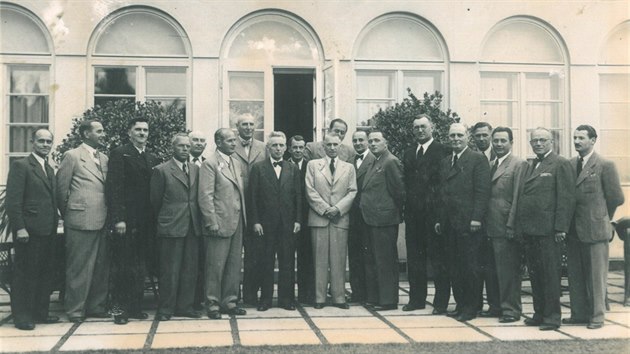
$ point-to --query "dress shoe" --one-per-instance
(262, 307)
(437, 311)
(356, 299)
(26, 326)
(465, 317)
(385, 307)
(573, 321)
(98, 315)
(508, 319)
(121, 320)
(162, 317)
(49, 319)
(236, 311)
(595, 325)
(76, 319)
(214, 315)
(454, 313)
(489, 313)
(548, 327)
(318, 305)
(289, 307)
(532, 322)
(188, 314)
(139, 315)
(343, 305)
(411, 307)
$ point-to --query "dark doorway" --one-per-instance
(293, 103)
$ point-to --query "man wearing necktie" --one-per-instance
(317, 150)
(174, 199)
(598, 194)
(81, 196)
(223, 219)
(545, 207)
(331, 186)
(32, 210)
(506, 174)
(276, 214)
(357, 233)
(198, 144)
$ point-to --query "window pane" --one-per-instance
(249, 86)
(421, 82)
(271, 40)
(615, 115)
(101, 101)
(499, 113)
(499, 86)
(543, 115)
(166, 81)
(117, 81)
(19, 34)
(373, 84)
(614, 87)
(614, 142)
(543, 86)
(19, 137)
(29, 109)
(366, 110)
(29, 80)
(247, 107)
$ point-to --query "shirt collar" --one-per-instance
(501, 159)
(272, 160)
(39, 159)
(90, 149)
(425, 146)
(178, 163)
(245, 140)
(585, 158)
(139, 150)
(460, 153)
(328, 160)
(364, 153)
(224, 156)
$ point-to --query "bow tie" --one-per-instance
(277, 163)
(358, 157)
(246, 142)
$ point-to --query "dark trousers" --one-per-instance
(587, 265)
(356, 256)
(252, 264)
(417, 231)
(543, 260)
(278, 240)
(179, 257)
(381, 265)
(305, 266)
(31, 287)
(507, 254)
(464, 269)
(128, 270)
(626, 257)
(488, 275)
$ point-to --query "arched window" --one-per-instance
(525, 89)
(395, 52)
(140, 54)
(26, 59)
(614, 99)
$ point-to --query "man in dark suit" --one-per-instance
(316, 150)
(465, 192)
(506, 173)
(305, 267)
(133, 221)
(223, 218)
(174, 198)
(382, 199)
(482, 136)
(421, 164)
(32, 209)
(598, 194)
(81, 197)
(545, 207)
(247, 152)
(198, 143)
(357, 233)
(276, 214)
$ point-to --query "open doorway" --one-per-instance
(293, 102)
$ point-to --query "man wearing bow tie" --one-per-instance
(198, 144)
(81, 196)
(276, 214)
(545, 206)
(598, 194)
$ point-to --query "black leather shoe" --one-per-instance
(188, 314)
(76, 319)
(465, 317)
(26, 326)
(139, 315)
(489, 313)
(508, 319)
(319, 305)
(343, 305)
(98, 315)
(412, 307)
(121, 320)
(262, 308)
(162, 317)
(289, 307)
(214, 315)
(548, 327)
(385, 307)
(595, 325)
(531, 322)
(573, 321)
(236, 311)
(454, 313)
(437, 311)
(49, 319)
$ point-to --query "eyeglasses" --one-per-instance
(542, 141)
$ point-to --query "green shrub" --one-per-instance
(396, 122)
(164, 122)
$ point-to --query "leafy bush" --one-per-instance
(164, 122)
(396, 122)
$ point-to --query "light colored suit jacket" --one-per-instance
(501, 213)
(257, 152)
(81, 190)
(383, 192)
(174, 199)
(323, 190)
(221, 195)
(315, 150)
(598, 193)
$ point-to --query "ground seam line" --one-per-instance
(149, 341)
(65, 337)
(236, 337)
(312, 324)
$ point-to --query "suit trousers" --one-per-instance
(31, 288)
(253, 259)
(179, 259)
(305, 266)
(464, 269)
(417, 232)
(507, 254)
(330, 246)
(543, 260)
(381, 266)
(356, 256)
(87, 271)
(588, 272)
(223, 269)
(488, 274)
(278, 240)
(626, 272)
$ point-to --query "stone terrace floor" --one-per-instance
(304, 326)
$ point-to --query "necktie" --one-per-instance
(420, 152)
(97, 160)
(246, 142)
(277, 163)
(196, 161)
(454, 160)
(47, 170)
(332, 166)
(538, 161)
(358, 157)
(495, 165)
(580, 165)
(185, 168)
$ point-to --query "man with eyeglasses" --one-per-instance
(545, 207)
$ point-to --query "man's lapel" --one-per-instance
(587, 169)
(90, 165)
(39, 171)
(502, 168)
(325, 170)
(178, 173)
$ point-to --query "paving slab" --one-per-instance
(106, 341)
(188, 340)
(286, 337)
(366, 336)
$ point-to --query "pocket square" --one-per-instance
(546, 174)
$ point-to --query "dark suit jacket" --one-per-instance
(30, 199)
(383, 192)
(305, 206)
(174, 199)
(128, 180)
(547, 197)
(422, 179)
(465, 190)
(276, 201)
(361, 171)
(598, 194)
(501, 213)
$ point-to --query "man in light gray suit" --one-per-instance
(597, 194)
(81, 196)
(505, 174)
(331, 186)
(223, 217)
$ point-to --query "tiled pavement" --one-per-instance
(304, 326)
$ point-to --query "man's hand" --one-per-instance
(120, 227)
(438, 229)
(509, 234)
(560, 236)
(296, 227)
(21, 236)
(475, 226)
(332, 212)
(258, 229)
(213, 230)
